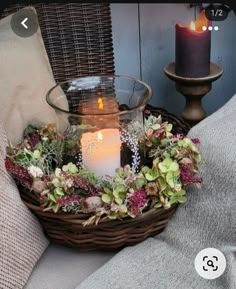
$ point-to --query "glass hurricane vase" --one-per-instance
(100, 122)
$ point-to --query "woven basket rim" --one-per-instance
(79, 218)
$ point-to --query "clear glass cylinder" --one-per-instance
(100, 122)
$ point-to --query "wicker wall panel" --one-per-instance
(77, 37)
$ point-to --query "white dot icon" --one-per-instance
(204, 28)
(210, 263)
(216, 28)
(210, 28)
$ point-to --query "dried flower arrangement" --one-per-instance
(72, 189)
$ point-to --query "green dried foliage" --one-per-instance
(72, 189)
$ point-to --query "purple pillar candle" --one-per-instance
(193, 48)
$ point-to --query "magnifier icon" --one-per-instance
(210, 263)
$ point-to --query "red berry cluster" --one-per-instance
(68, 200)
(84, 185)
(195, 140)
(187, 177)
(33, 139)
(137, 201)
(19, 173)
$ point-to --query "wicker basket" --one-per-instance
(67, 229)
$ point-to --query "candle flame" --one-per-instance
(197, 25)
(193, 26)
(100, 103)
(200, 22)
(100, 136)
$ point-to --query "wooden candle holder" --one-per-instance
(193, 89)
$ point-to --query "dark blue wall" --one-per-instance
(144, 42)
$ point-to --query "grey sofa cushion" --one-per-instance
(64, 268)
(208, 219)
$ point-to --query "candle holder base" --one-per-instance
(193, 89)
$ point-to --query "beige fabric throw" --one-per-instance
(207, 220)
(22, 241)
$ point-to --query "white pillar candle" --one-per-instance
(101, 151)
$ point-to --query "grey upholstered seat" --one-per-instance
(64, 268)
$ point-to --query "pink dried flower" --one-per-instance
(19, 173)
(186, 161)
(84, 185)
(137, 201)
(187, 176)
(195, 140)
(45, 178)
(68, 200)
(147, 111)
(160, 134)
(38, 186)
(33, 139)
(177, 136)
(91, 204)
